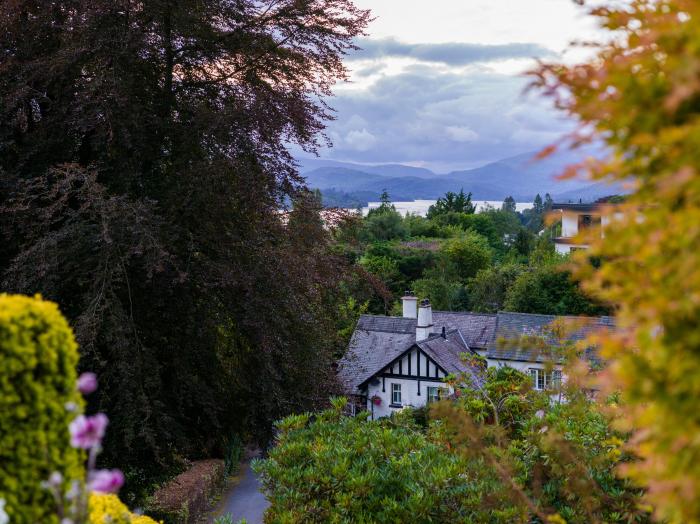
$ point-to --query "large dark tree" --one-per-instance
(143, 163)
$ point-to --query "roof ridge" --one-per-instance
(553, 316)
(469, 313)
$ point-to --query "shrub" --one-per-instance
(186, 497)
(108, 508)
(339, 469)
(38, 357)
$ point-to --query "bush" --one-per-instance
(38, 357)
(340, 469)
(186, 497)
(108, 508)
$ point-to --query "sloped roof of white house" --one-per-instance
(512, 327)
(370, 348)
(378, 340)
(476, 328)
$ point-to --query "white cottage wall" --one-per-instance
(409, 394)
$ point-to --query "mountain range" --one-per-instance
(521, 177)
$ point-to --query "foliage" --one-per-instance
(469, 253)
(639, 95)
(339, 469)
(549, 290)
(509, 205)
(233, 455)
(108, 508)
(558, 459)
(383, 223)
(452, 203)
(38, 357)
(487, 290)
(440, 285)
(144, 159)
(506, 400)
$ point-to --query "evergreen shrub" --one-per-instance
(38, 399)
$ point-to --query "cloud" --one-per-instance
(440, 117)
(451, 53)
(360, 140)
(461, 134)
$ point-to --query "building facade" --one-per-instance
(395, 362)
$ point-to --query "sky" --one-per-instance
(440, 84)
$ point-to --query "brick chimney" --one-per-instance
(425, 320)
(410, 305)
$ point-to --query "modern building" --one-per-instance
(575, 218)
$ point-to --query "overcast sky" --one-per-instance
(439, 83)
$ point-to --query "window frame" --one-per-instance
(437, 390)
(543, 381)
(396, 388)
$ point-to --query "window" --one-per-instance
(396, 394)
(586, 221)
(433, 394)
(542, 380)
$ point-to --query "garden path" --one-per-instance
(245, 500)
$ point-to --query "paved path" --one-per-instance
(244, 500)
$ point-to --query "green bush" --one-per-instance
(332, 468)
(38, 357)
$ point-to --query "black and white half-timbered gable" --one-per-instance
(394, 362)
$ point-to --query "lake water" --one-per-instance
(420, 207)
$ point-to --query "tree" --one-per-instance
(452, 203)
(469, 253)
(549, 290)
(509, 205)
(537, 205)
(639, 96)
(441, 285)
(144, 161)
(488, 289)
(548, 203)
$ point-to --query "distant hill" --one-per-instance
(521, 177)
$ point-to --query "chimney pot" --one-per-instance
(425, 320)
(410, 303)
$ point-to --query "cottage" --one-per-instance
(393, 362)
(508, 345)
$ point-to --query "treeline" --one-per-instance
(497, 259)
(143, 164)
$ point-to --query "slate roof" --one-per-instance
(387, 324)
(511, 327)
(446, 352)
(378, 340)
(369, 349)
(476, 328)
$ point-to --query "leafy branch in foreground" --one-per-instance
(640, 96)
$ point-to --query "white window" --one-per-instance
(542, 380)
(434, 394)
(396, 394)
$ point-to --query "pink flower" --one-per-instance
(87, 383)
(87, 432)
(106, 481)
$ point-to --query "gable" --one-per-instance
(414, 363)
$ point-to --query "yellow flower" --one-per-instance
(108, 509)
